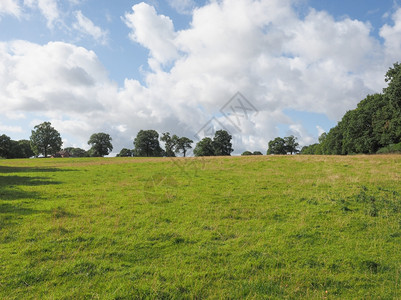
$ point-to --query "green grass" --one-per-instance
(311, 227)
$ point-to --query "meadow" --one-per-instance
(257, 227)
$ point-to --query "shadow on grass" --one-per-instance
(11, 189)
(7, 170)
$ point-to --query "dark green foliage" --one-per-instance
(170, 143)
(204, 147)
(247, 153)
(250, 153)
(5, 146)
(284, 145)
(125, 153)
(147, 144)
(219, 146)
(222, 143)
(393, 148)
(291, 145)
(183, 144)
(101, 144)
(14, 149)
(45, 139)
(277, 146)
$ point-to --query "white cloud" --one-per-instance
(153, 31)
(87, 27)
(10, 7)
(48, 8)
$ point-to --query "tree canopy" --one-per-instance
(183, 144)
(45, 139)
(147, 144)
(220, 145)
(204, 147)
(101, 144)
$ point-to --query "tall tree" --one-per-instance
(222, 143)
(147, 144)
(5, 146)
(291, 145)
(101, 144)
(204, 147)
(170, 143)
(183, 144)
(45, 139)
(277, 146)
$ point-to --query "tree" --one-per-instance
(257, 153)
(147, 144)
(277, 146)
(125, 153)
(204, 147)
(5, 146)
(45, 139)
(101, 144)
(21, 149)
(170, 143)
(222, 143)
(245, 153)
(290, 144)
(183, 144)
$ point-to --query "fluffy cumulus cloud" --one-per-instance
(263, 49)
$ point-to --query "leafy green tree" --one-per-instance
(45, 139)
(147, 144)
(204, 147)
(290, 144)
(245, 153)
(183, 144)
(277, 146)
(257, 153)
(170, 143)
(125, 153)
(5, 146)
(222, 143)
(21, 149)
(101, 144)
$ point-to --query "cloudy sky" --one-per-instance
(257, 68)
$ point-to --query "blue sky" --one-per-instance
(120, 66)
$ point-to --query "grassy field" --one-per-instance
(312, 227)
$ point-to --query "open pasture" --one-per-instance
(312, 227)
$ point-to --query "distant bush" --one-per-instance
(247, 153)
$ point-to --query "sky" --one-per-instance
(256, 68)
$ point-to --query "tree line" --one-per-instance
(374, 126)
(46, 141)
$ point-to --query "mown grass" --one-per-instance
(312, 227)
